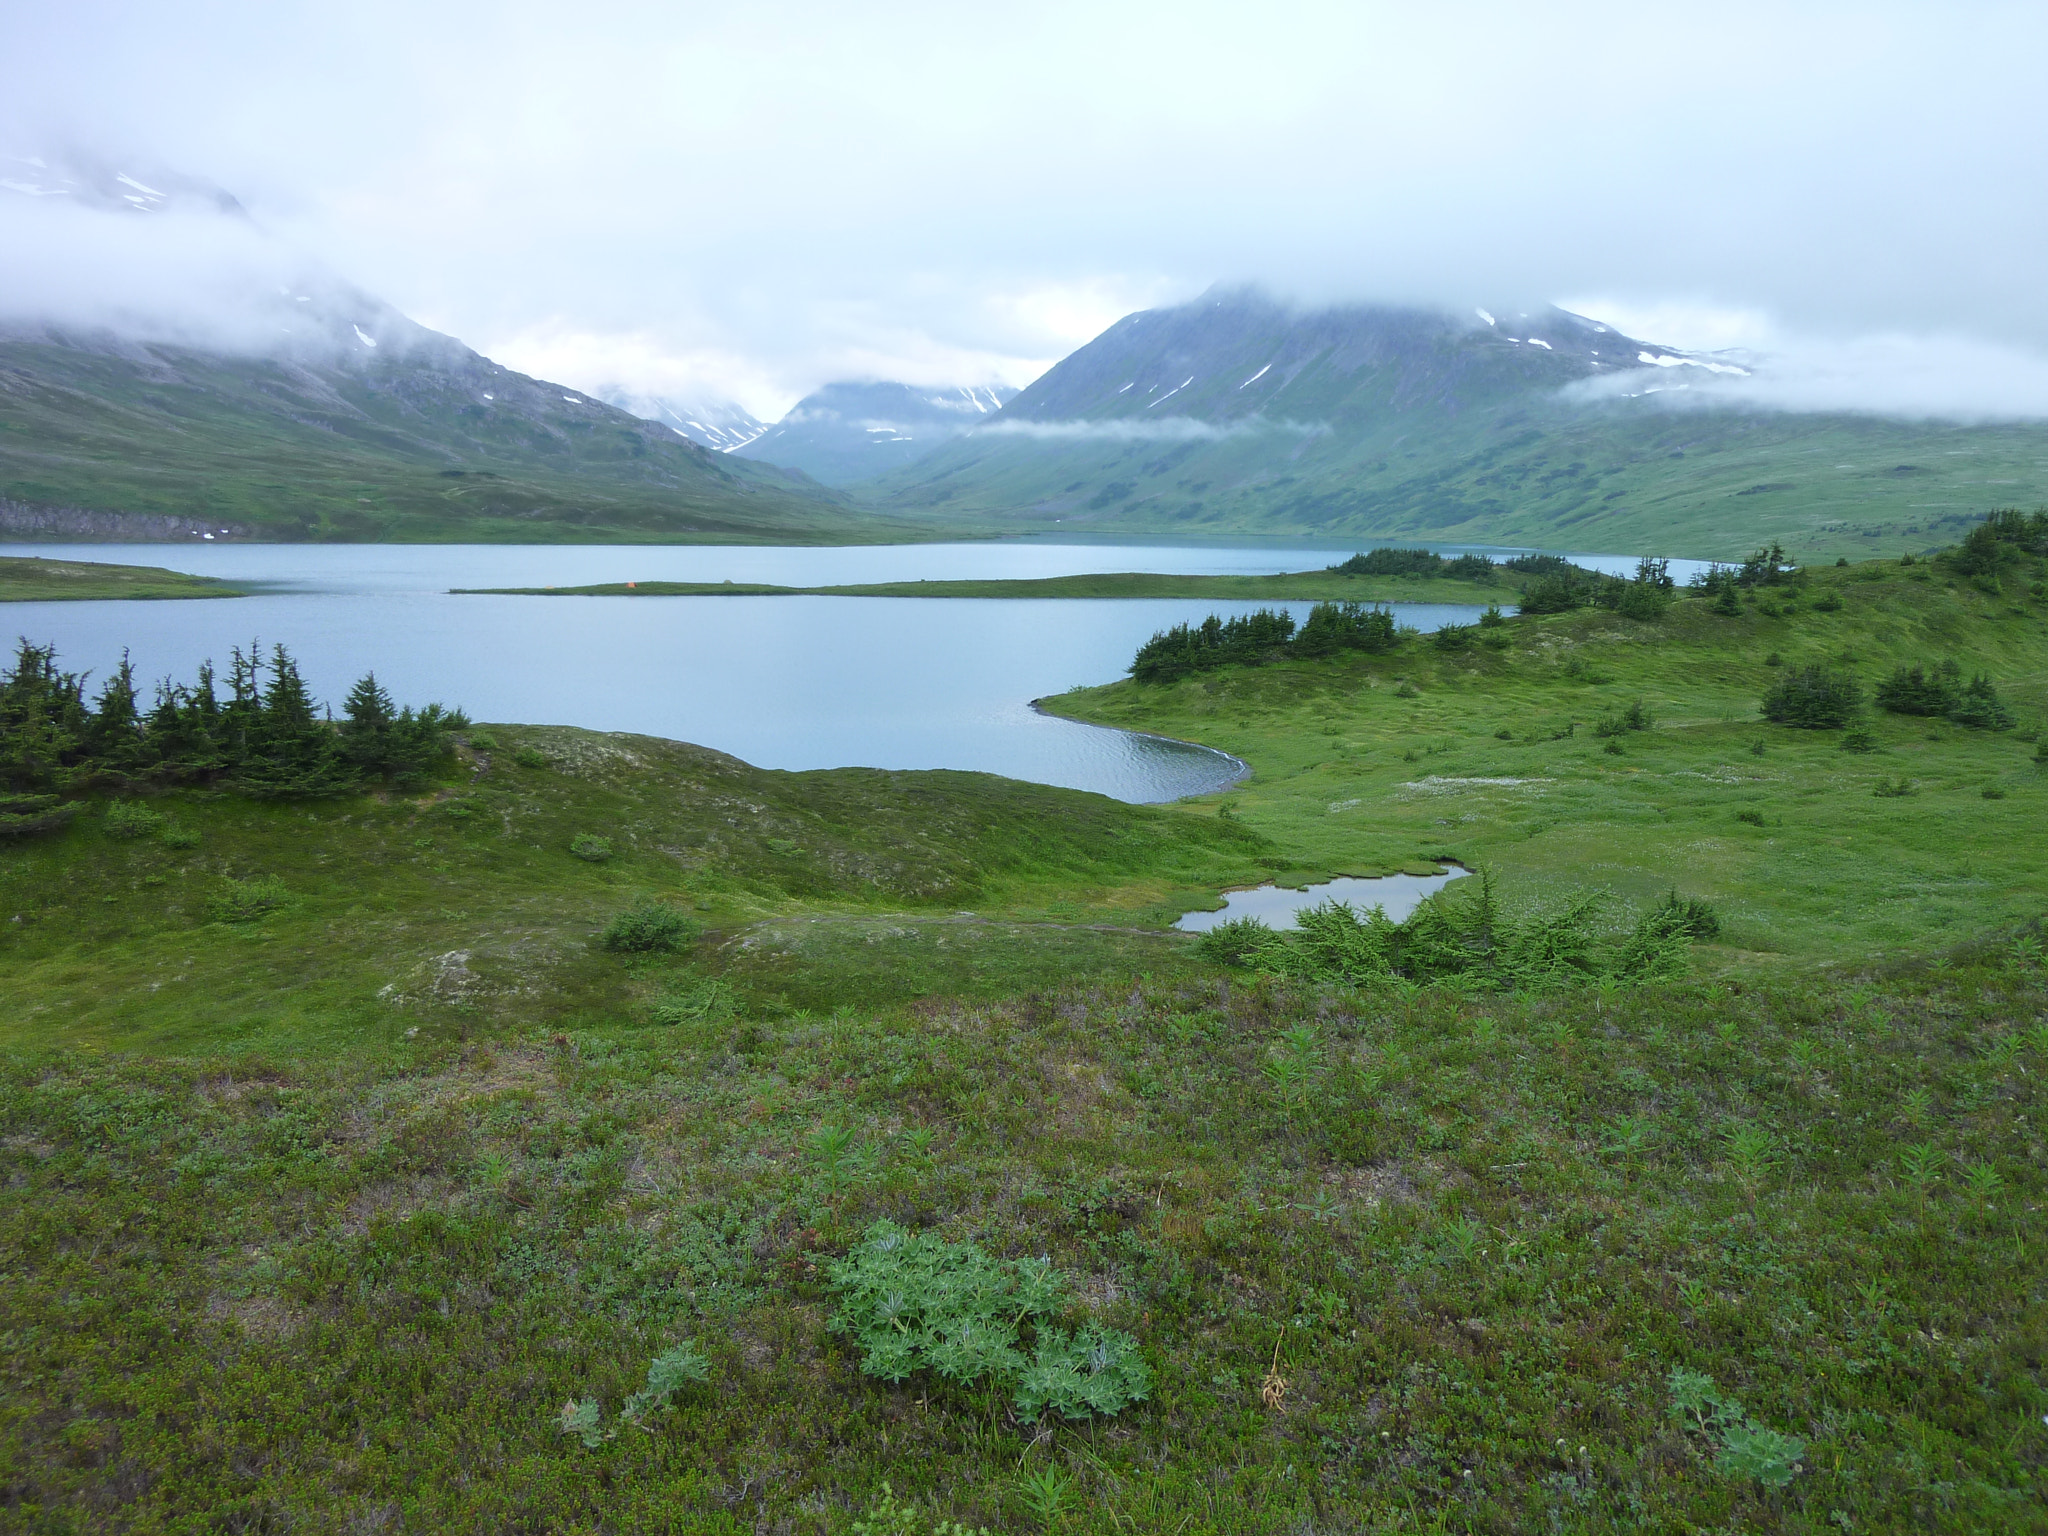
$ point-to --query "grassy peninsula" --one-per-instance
(1381, 576)
(488, 1148)
(1294, 586)
(33, 579)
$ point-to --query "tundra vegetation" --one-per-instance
(861, 1151)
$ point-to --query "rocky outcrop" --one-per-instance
(28, 520)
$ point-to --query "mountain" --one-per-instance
(713, 422)
(1237, 414)
(263, 397)
(849, 432)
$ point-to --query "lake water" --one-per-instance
(1397, 895)
(783, 682)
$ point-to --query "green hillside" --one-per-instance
(1235, 415)
(1511, 748)
(420, 440)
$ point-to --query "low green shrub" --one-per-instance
(592, 850)
(1750, 818)
(482, 741)
(1619, 722)
(888, 1516)
(25, 815)
(131, 819)
(648, 927)
(1814, 698)
(1461, 935)
(1644, 602)
(1940, 691)
(177, 835)
(1689, 915)
(1745, 1448)
(1859, 740)
(528, 757)
(667, 1374)
(709, 1000)
(243, 901)
(913, 1302)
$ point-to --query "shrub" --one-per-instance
(1747, 1449)
(1093, 1371)
(25, 815)
(128, 818)
(1407, 690)
(913, 1302)
(1493, 618)
(1453, 637)
(650, 926)
(1550, 594)
(1980, 706)
(592, 850)
(1620, 722)
(1750, 818)
(1815, 698)
(667, 1374)
(710, 999)
(1462, 933)
(1689, 915)
(176, 836)
(1893, 789)
(482, 741)
(527, 757)
(1642, 601)
(243, 901)
(1859, 740)
(1235, 942)
(889, 1517)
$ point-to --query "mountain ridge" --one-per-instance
(1236, 414)
(854, 430)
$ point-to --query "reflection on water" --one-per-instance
(794, 682)
(1397, 895)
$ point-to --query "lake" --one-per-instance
(782, 682)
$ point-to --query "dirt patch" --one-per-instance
(259, 1317)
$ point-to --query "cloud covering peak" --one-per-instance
(765, 198)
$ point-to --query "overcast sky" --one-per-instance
(760, 198)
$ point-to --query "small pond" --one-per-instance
(1397, 895)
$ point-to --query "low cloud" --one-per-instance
(1924, 378)
(1168, 429)
(192, 278)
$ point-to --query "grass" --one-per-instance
(250, 1290)
(348, 1182)
(809, 887)
(36, 580)
(1295, 586)
(1493, 757)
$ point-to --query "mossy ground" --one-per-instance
(315, 1219)
(262, 1292)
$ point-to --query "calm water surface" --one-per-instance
(1397, 895)
(783, 682)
